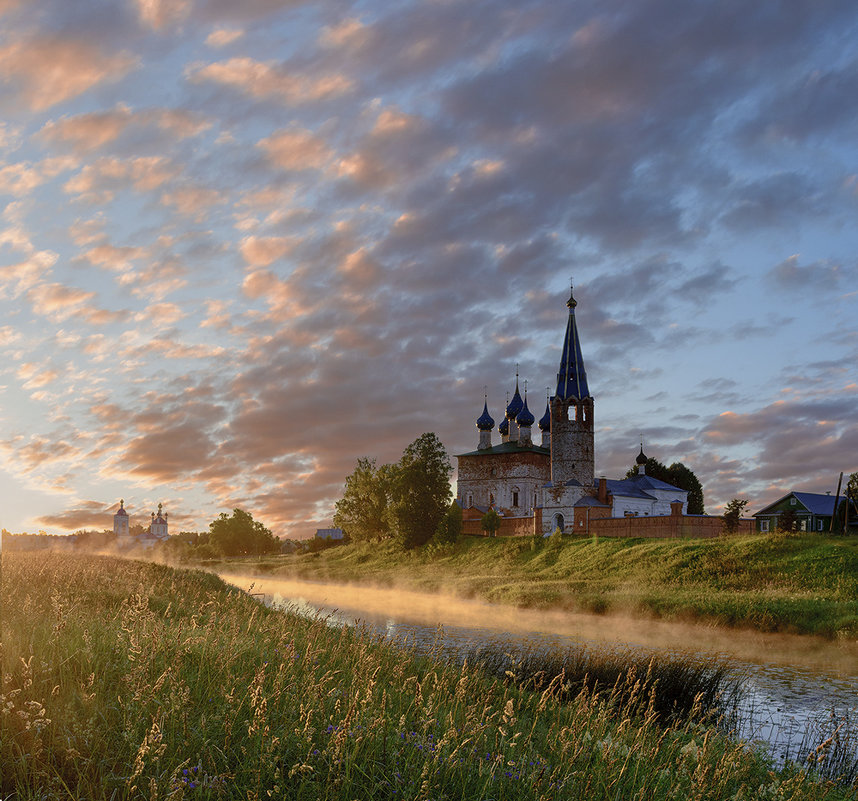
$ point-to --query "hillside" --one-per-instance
(802, 584)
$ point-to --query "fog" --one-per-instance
(429, 609)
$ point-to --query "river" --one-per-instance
(796, 690)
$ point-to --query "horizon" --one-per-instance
(241, 248)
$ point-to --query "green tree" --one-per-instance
(851, 493)
(362, 512)
(450, 528)
(654, 468)
(679, 475)
(490, 522)
(733, 514)
(419, 491)
(240, 534)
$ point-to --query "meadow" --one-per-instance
(126, 679)
(803, 584)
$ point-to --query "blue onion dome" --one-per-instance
(641, 459)
(504, 427)
(515, 405)
(545, 420)
(525, 416)
(485, 422)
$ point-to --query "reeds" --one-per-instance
(132, 680)
(672, 686)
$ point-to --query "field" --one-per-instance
(134, 680)
(799, 584)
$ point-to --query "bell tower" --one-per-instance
(572, 453)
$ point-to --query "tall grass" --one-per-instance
(674, 687)
(133, 680)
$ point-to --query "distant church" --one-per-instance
(158, 528)
(538, 488)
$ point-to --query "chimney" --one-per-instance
(603, 489)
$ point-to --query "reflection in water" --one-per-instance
(795, 689)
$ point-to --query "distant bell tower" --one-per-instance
(121, 521)
(572, 454)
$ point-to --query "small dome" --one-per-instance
(485, 422)
(545, 420)
(515, 405)
(641, 459)
(504, 427)
(525, 416)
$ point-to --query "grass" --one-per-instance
(799, 584)
(133, 680)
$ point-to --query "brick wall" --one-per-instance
(668, 526)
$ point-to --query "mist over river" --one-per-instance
(794, 689)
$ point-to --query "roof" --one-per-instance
(637, 486)
(506, 447)
(329, 533)
(816, 503)
(589, 500)
(572, 378)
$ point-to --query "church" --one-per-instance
(537, 488)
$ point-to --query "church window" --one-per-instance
(470, 501)
(515, 497)
(491, 499)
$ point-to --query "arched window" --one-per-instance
(558, 521)
(515, 494)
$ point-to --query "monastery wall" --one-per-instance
(666, 526)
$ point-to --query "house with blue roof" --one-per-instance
(811, 511)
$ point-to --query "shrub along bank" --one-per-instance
(802, 584)
(133, 680)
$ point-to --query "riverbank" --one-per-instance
(805, 584)
(133, 680)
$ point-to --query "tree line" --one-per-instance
(408, 502)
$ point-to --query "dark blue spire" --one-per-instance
(485, 422)
(516, 404)
(504, 427)
(525, 416)
(545, 420)
(572, 378)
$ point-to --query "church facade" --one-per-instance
(539, 488)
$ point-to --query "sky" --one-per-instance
(244, 244)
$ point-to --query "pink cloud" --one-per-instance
(267, 80)
(49, 70)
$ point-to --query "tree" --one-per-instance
(733, 514)
(852, 497)
(240, 534)
(362, 512)
(419, 491)
(450, 528)
(679, 476)
(490, 522)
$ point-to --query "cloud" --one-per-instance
(86, 133)
(47, 70)
(158, 14)
(296, 149)
(84, 515)
(262, 251)
(816, 277)
(270, 81)
(223, 37)
(98, 182)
